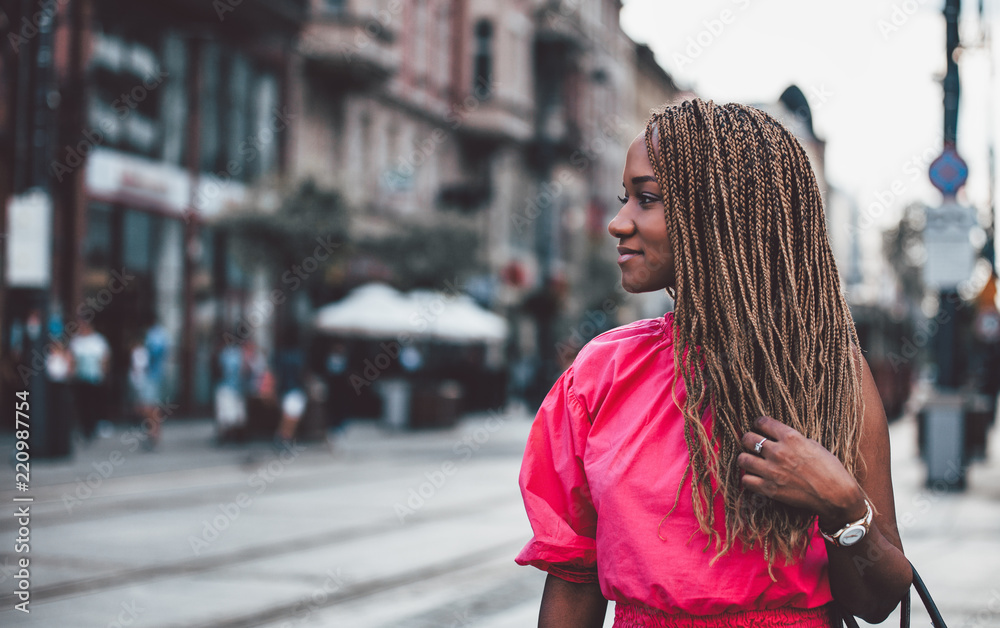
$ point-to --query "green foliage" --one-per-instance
(425, 255)
(289, 234)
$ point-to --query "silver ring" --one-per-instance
(758, 446)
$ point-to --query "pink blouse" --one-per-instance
(601, 469)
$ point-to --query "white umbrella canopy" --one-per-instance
(373, 310)
(379, 311)
(458, 318)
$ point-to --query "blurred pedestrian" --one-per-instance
(290, 363)
(230, 405)
(91, 360)
(157, 347)
(59, 368)
(338, 389)
(262, 409)
(142, 391)
(726, 464)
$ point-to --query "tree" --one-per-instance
(426, 254)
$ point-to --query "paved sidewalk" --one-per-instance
(322, 542)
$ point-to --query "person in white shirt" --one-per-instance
(91, 358)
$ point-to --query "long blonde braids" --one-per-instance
(760, 324)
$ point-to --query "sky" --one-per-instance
(871, 70)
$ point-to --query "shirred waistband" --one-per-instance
(637, 616)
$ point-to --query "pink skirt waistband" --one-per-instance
(637, 616)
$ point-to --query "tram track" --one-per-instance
(209, 563)
(361, 590)
(132, 495)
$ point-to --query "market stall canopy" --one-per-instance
(373, 310)
(379, 311)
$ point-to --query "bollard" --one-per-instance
(395, 403)
(943, 437)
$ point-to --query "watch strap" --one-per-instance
(865, 521)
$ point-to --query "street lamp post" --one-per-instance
(950, 260)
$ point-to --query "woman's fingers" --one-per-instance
(775, 430)
(750, 440)
(752, 464)
(759, 485)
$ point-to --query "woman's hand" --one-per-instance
(867, 578)
(800, 472)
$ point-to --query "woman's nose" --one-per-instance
(621, 226)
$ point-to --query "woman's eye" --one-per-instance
(646, 199)
(622, 199)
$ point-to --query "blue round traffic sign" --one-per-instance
(948, 172)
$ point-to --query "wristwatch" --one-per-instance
(852, 532)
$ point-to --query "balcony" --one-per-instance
(351, 47)
(560, 22)
(494, 118)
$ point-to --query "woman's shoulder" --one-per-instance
(645, 334)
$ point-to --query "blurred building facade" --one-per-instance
(515, 117)
(165, 114)
(512, 117)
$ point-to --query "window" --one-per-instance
(209, 133)
(443, 42)
(125, 96)
(483, 61)
(97, 242)
(138, 243)
(334, 7)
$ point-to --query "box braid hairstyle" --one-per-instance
(758, 309)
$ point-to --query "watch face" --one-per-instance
(852, 535)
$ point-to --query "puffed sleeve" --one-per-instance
(554, 487)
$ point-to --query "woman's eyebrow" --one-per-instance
(643, 179)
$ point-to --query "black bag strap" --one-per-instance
(904, 610)
(925, 597)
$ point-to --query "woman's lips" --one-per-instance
(625, 254)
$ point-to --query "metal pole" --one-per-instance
(943, 416)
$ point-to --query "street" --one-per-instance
(379, 529)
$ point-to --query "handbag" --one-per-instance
(904, 615)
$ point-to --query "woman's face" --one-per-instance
(646, 256)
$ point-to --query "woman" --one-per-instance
(706, 509)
